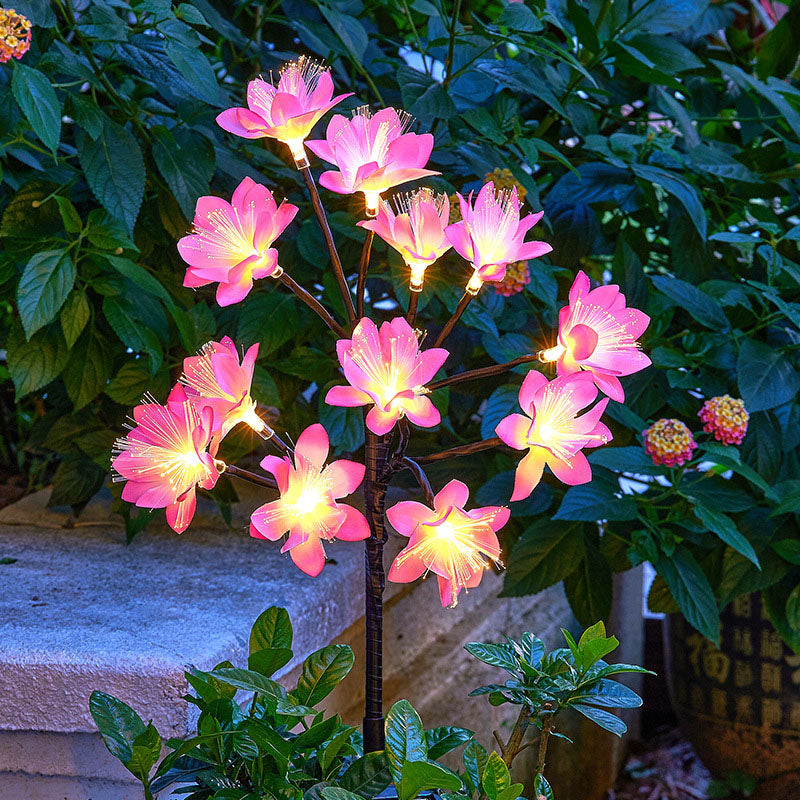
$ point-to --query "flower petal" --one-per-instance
(534, 381)
(572, 473)
(344, 476)
(269, 521)
(513, 430)
(354, 526)
(313, 444)
(309, 556)
(529, 473)
(180, 514)
(452, 494)
(405, 516)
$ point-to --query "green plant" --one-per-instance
(279, 744)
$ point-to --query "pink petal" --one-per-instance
(354, 527)
(634, 321)
(459, 237)
(269, 521)
(609, 385)
(284, 107)
(313, 444)
(322, 149)
(578, 471)
(334, 182)
(407, 567)
(446, 591)
(241, 190)
(309, 556)
(430, 362)
(533, 250)
(192, 280)
(380, 422)
(407, 515)
(575, 391)
(421, 411)
(280, 468)
(533, 382)
(346, 396)
(513, 430)
(529, 473)
(230, 293)
(603, 296)
(580, 286)
(242, 122)
(344, 477)
(180, 514)
(455, 494)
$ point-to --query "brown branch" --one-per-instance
(461, 450)
(420, 476)
(413, 301)
(363, 268)
(547, 724)
(313, 304)
(451, 323)
(245, 475)
(512, 746)
(483, 372)
(328, 236)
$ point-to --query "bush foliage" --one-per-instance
(661, 137)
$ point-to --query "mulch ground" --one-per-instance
(663, 768)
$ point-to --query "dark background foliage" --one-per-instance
(661, 137)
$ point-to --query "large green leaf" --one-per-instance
(36, 97)
(766, 376)
(74, 316)
(594, 501)
(726, 529)
(419, 776)
(118, 723)
(500, 403)
(89, 368)
(367, 776)
(45, 283)
(444, 739)
(322, 672)
(704, 308)
(194, 67)
(186, 162)
(114, 170)
(589, 587)
(405, 737)
(33, 364)
(498, 655)
(272, 628)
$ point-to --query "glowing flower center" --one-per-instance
(15, 35)
(590, 325)
(202, 379)
(389, 373)
(308, 491)
(493, 224)
(227, 235)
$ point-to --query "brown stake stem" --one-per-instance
(420, 476)
(328, 236)
(363, 268)
(461, 450)
(483, 372)
(451, 323)
(413, 301)
(245, 475)
(314, 304)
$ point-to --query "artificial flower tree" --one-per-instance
(389, 368)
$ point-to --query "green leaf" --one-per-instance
(602, 718)
(140, 276)
(337, 793)
(793, 608)
(33, 364)
(249, 681)
(146, 750)
(419, 776)
(367, 776)
(788, 548)
(121, 314)
(683, 191)
(351, 32)
(545, 554)
(106, 233)
(45, 283)
(193, 65)
(689, 586)
(185, 159)
(609, 694)
(495, 778)
(89, 368)
(541, 788)
(272, 629)
(594, 501)
(589, 587)
(345, 426)
(500, 403)
(475, 758)
(322, 672)
(128, 386)
(766, 376)
(40, 105)
(269, 319)
(74, 316)
(114, 170)
(704, 308)
(424, 97)
(269, 660)
(307, 363)
(726, 529)
(445, 739)
(69, 214)
(497, 655)
(118, 723)
(76, 480)
(405, 738)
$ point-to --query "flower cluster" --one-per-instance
(503, 178)
(15, 35)
(517, 277)
(726, 418)
(669, 443)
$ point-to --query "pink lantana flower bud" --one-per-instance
(231, 243)
(551, 430)
(373, 153)
(455, 544)
(387, 370)
(288, 111)
(308, 509)
(725, 417)
(491, 234)
(669, 443)
(163, 458)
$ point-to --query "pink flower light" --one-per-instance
(372, 153)
(415, 230)
(164, 458)
(288, 111)
(491, 234)
(307, 507)
(388, 370)
(551, 431)
(455, 544)
(231, 243)
(215, 379)
(598, 333)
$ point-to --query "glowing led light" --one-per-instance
(551, 354)
(474, 284)
(372, 200)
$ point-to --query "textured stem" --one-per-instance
(420, 476)
(547, 724)
(513, 745)
(363, 268)
(451, 323)
(461, 450)
(312, 302)
(413, 301)
(375, 453)
(245, 475)
(328, 236)
(483, 372)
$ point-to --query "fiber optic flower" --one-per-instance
(455, 544)
(669, 443)
(307, 507)
(598, 333)
(388, 370)
(415, 229)
(503, 178)
(231, 243)
(288, 111)
(517, 277)
(372, 153)
(215, 379)
(15, 35)
(491, 234)
(725, 417)
(551, 431)
(164, 458)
